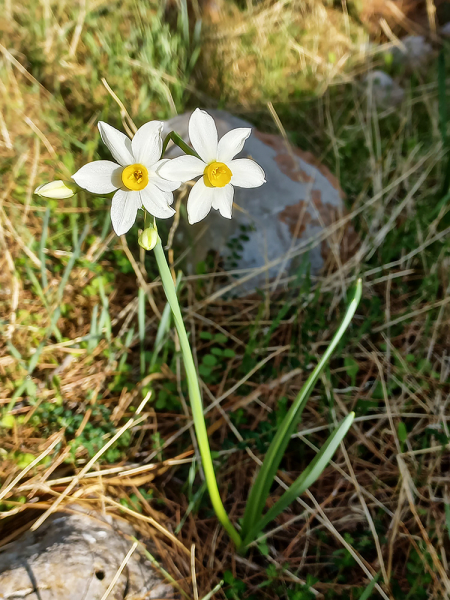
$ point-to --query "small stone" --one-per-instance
(273, 227)
(445, 30)
(414, 51)
(384, 89)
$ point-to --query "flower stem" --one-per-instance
(176, 139)
(194, 395)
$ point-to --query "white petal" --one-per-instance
(183, 168)
(203, 135)
(147, 143)
(232, 143)
(164, 184)
(246, 173)
(200, 201)
(99, 177)
(117, 142)
(157, 202)
(223, 200)
(124, 208)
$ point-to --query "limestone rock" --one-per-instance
(384, 89)
(445, 30)
(74, 556)
(273, 223)
(415, 52)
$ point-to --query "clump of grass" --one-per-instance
(279, 50)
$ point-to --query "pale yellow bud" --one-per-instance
(148, 238)
(57, 190)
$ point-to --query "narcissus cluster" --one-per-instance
(141, 178)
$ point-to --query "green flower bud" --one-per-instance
(57, 190)
(148, 238)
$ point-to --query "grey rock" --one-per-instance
(445, 30)
(280, 218)
(384, 89)
(414, 51)
(75, 557)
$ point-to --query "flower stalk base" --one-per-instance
(194, 396)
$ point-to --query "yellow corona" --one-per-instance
(217, 174)
(135, 177)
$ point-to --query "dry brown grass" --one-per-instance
(382, 499)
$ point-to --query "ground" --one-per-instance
(79, 320)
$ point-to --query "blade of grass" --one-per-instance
(36, 285)
(260, 489)
(306, 479)
(42, 248)
(443, 117)
(142, 297)
(156, 564)
(369, 589)
(75, 255)
(93, 332)
(447, 518)
(213, 591)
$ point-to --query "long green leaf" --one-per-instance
(369, 589)
(261, 488)
(306, 479)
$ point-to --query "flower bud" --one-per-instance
(148, 238)
(57, 190)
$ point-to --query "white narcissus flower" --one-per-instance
(220, 172)
(134, 177)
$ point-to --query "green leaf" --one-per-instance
(447, 517)
(402, 432)
(209, 360)
(369, 589)
(229, 353)
(221, 338)
(306, 479)
(352, 368)
(260, 489)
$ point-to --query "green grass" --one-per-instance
(79, 335)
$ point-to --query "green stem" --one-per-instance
(194, 395)
(176, 139)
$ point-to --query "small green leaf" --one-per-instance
(209, 360)
(263, 548)
(206, 335)
(402, 432)
(352, 368)
(8, 422)
(221, 338)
